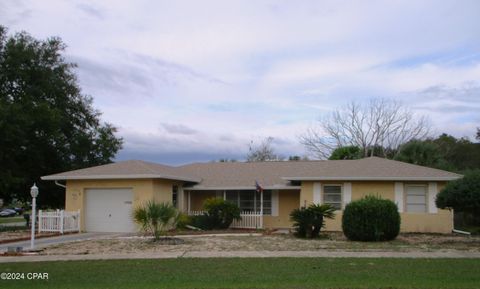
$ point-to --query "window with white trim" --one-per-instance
(332, 195)
(416, 200)
(249, 201)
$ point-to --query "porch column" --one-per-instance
(261, 209)
(181, 199)
(188, 203)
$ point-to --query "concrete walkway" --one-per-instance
(43, 242)
(243, 254)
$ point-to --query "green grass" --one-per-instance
(12, 229)
(251, 273)
(11, 220)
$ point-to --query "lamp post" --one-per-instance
(34, 194)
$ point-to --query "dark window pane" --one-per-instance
(332, 189)
(232, 196)
(333, 195)
(333, 198)
(174, 195)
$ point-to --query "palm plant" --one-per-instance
(156, 218)
(309, 221)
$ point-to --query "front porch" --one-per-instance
(259, 210)
(250, 220)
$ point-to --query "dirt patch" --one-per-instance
(327, 242)
(7, 237)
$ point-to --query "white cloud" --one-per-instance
(212, 75)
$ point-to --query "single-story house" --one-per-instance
(106, 195)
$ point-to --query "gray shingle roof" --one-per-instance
(133, 169)
(268, 174)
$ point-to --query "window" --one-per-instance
(332, 194)
(416, 201)
(174, 195)
(267, 202)
(250, 200)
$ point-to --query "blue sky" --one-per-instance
(192, 80)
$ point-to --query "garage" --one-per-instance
(109, 210)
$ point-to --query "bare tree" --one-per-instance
(381, 123)
(262, 152)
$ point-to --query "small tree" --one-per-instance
(262, 152)
(219, 214)
(156, 218)
(309, 221)
(463, 195)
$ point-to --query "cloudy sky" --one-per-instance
(197, 80)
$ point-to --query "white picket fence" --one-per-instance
(250, 220)
(196, 213)
(58, 221)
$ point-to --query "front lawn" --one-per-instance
(6, 220)
(251, 273)
(329, 242)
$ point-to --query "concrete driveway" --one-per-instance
(43, 242)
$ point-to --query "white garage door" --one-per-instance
(109, 210)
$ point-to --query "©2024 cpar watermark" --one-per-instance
(23, 276)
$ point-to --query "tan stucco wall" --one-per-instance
(440, 222)
(287, 202)
(306, 194)
(386, 190)
(143, 190)
(161, 190)
(198, 197)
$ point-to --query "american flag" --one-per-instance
(258, 187)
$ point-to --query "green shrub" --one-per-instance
(309, 221)
(201, 221)
(371, 219)
(183, 220)
(219, 214)
(463, 195)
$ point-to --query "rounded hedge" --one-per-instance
(371, 219)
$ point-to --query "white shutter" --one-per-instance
(275, 203)
(317, 193)
(399, 196)
(347, 194)
(432, 194)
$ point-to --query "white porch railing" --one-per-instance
(59, 221)
(250, 220)
(196, 213)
